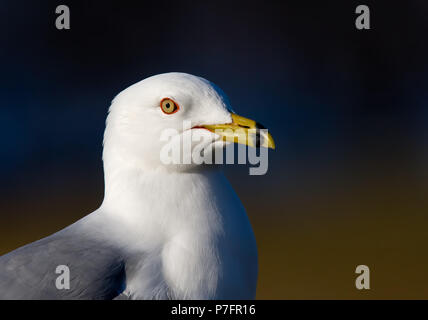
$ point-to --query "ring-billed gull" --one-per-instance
(162, 231)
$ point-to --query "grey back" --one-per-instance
(97, 269)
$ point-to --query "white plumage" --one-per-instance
(190, 221)
(162, 231)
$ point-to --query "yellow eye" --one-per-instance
(168, 106)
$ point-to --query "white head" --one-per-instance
(137, 120)
(140, 114)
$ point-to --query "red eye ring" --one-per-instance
(169, 106)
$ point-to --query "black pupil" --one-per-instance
(167, 105)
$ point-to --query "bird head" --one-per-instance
(174, 113)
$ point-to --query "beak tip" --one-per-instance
(271, 143)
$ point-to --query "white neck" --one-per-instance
(192, 220)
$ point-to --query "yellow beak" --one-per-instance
(244, 131)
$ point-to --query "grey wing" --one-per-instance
(96, 269)
(122, 296)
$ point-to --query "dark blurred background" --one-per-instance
(347, 184)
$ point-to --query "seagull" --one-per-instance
(163, 231)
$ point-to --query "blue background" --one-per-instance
(347, 183)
